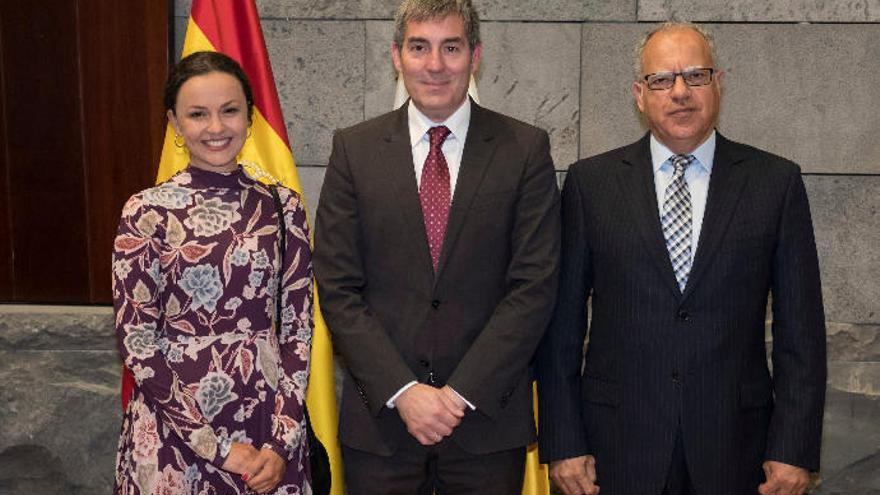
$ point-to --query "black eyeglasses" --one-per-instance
(700, 76)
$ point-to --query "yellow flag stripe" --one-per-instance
(537, 479)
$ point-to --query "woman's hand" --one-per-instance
(265, 471)
(240, 455)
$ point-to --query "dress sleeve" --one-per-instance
(295, 336)
(138, 283)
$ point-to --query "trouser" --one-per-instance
(442, 469)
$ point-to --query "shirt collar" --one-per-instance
(704, 154)
(457, 123)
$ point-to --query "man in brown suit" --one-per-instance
(436, 253)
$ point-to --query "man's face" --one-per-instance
(436, 64)
(683, 116)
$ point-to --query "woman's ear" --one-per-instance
(172, 119)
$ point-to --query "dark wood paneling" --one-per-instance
(6, 280)
(124, 62)
(44, 150)
(81, 129)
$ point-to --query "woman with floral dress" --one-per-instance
(218, 405)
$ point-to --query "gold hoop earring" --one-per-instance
(177, 143)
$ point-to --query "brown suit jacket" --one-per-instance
(476, 324)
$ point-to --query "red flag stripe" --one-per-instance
(231, 26)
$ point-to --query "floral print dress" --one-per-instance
(195, 273)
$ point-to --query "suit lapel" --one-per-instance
(725, 188)
(475, 159)
(637, 187)
(395, 157)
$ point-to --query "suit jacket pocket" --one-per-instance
(600, 391)
(753, 395)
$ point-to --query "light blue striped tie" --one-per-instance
(676, 220)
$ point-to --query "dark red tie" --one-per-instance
(434, 192)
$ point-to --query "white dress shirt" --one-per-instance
(697, 177)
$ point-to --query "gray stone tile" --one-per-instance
(855, 378)
(29, 469)
(380, 82)
(852, 342)
(557, 10)
(56, 328)
(530, 71)
(608, 117)
(852, 412)
(860, 478)
(761, 10)
(182, 7)
(63, 403)
(819, 114)
(846, 219)
(179, 34)
(319, 73)
(554, 10)
(327, 9)
(311, 179)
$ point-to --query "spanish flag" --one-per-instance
(233, 28)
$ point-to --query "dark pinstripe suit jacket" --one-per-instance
(476, 324)
(659, 360)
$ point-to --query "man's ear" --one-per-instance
(395, 56)
(638, 91)
(476, 57)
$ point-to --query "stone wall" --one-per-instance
(59, 400)
(801, 82)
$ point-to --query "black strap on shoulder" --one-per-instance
(282, 230)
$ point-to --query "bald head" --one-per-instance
(670, 26)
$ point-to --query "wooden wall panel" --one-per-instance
(124, 57)
(44, 151)
(6, 280)
(81, 123)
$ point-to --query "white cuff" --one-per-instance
(473, 407)
(390, 403)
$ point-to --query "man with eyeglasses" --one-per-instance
(676, 241)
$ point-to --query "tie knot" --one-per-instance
(438, 135)
(681, 162)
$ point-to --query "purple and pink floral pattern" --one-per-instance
(195, 276)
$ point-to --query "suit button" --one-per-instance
(435, 303)
(424, 363)
(684, 315)
(676, 379)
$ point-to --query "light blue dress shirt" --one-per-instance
(697, 177)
